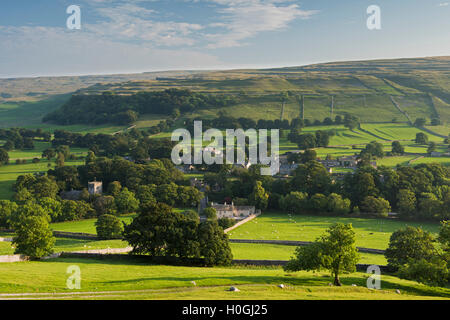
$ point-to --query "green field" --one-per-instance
(84, 226)
(10, 172)
(69, 245)
(120, 279)
(256, 251)
(370, 233)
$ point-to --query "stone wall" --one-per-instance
(13, 258)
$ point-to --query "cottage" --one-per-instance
(288, 169)
(232, 211)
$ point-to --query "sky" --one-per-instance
(132, 36)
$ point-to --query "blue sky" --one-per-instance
(119, 36)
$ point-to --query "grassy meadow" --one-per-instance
(370, 233)
(128, 279)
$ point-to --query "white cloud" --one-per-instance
(131, 22)
(247, 18)
(236, 20)
(443, 4)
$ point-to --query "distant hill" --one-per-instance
(376, 91)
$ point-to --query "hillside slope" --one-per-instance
(376, 91)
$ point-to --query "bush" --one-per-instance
(34, 238)
(214, 245)
(210, 213)
(433, 272)
(374, 205)
(409, 243)
(109, 227)
(226, 223)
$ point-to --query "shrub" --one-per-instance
(226, 223)
(210, 213)
(433, 272)
(374, 205)
(34, 238)
(409, 243)
(109, 227)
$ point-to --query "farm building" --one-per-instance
(232, 211)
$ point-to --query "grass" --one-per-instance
(396, 131)
(138, 280)
(84, 226)
(370, 233)
(10, 172)
(256, 251)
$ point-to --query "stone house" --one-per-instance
(95, 187)
(232, 211)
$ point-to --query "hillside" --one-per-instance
(376, 91)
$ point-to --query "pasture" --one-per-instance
(10, 172)
(370, 233)
(128, 279)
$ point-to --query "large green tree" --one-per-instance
(334, 251)
(409, 243)
(34, 237)
(259, 197)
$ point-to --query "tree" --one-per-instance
(431, 147)
(259, 197)
(318, 203)
(49, 153)
(146, 198)
(214, 244)
(60, 160)
(308, 155)
(432, 272)
(351, 122)
(306, 141)
(373, 150)
(406, 202)
(34, 237)
(161, 232)
(105, 205)
(7, 208)
(375, 205)
(420, 122)
(109, 227)
(210, 213)
(52, 206)
(397, 148)
(409, 243)
(4, 157)
(311, 178)
(126, 202)
(334, 251)
(75, 210)
(151, 232)
(114, 188)
(295, 202)
(90, 158)
(338, 205)
(444, 235)
(421, 138)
